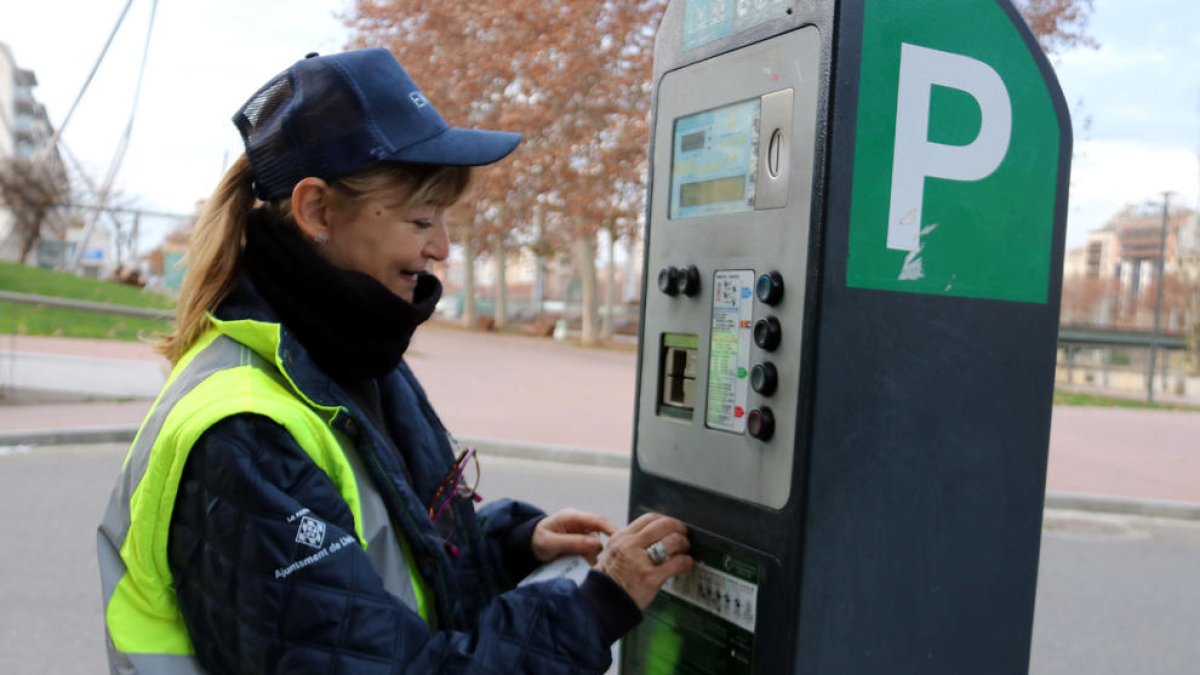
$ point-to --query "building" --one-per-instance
(25, 124)
(1113, 279)
(25, 132)
(1098, 259)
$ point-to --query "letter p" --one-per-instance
(916, 158)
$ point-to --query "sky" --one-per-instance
(1135, 100)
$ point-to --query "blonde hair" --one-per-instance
(214, 253)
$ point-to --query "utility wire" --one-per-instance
(86, 83)
(122, 146)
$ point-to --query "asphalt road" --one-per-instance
(1118, 595)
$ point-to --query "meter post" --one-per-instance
(855, 226)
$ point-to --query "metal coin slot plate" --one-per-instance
(781, 73)
(775, 120)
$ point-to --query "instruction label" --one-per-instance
(729, 350)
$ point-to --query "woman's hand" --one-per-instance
(626, 560)
(570, 532)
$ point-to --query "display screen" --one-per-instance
(714, 160)
(730, 189)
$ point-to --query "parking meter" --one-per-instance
(855, 229)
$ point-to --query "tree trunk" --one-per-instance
(501, 313)
(631, 288)
(1193, 329)
(27, 244)
(610, 289)
(585, 264)
(468, 313)
(539, 267)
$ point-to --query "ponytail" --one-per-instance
(212, 258)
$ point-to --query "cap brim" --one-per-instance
(459, 147)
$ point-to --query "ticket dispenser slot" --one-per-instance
(677, 379)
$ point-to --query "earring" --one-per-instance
(320, 240)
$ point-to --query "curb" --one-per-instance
(1125, 506)
(1066, 501)
(549, 453)
(87, 305)
(121, 433)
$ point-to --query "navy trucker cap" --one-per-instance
(331, 116)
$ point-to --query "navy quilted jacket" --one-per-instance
(246, 474)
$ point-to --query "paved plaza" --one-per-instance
(524, 390)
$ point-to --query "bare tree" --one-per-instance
(34, 192)
(1058, 24)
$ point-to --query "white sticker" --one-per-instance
(731, 598)
(729, 350)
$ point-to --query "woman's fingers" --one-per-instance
(569, 532)
(659, 528)
(571, 520)
(676, 543)
(572, 544)
(675, 565)
(642, 521)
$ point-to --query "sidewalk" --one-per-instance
(537, 398)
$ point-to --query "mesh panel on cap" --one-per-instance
(261, 124)
(268, 101)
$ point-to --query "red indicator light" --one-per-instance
(739, 411)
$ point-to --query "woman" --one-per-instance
(292, 503)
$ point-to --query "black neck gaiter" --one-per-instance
(353, 327)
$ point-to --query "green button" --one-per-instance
(741, 373)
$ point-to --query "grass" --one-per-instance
(30, 319)
(22, 279)
(1098, 401)
(26, 319)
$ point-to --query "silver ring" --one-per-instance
(657, 552)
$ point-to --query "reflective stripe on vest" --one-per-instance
(217, 378)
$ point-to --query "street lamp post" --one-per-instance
(1158, 296)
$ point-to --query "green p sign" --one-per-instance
(956, 155)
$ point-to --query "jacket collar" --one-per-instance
(245, 316)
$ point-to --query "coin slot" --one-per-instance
(774, 152)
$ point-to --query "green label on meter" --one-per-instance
(729, 350)
(702, 623)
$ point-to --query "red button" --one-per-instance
(738, 411)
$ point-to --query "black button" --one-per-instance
(667, 277)
(769, 288)
(764, 378)
(761, 423)
(767, 333)
(688, 281)
(311, 55)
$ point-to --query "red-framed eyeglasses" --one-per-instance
(460, 482)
